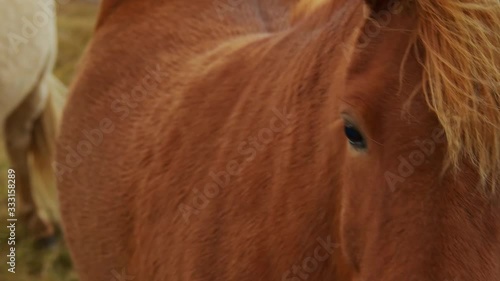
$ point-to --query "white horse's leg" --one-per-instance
(19, 138)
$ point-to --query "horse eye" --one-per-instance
(354, 136)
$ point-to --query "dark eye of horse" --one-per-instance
(355, 138)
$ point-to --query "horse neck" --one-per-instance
(299, 70)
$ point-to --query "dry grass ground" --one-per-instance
(75, 24)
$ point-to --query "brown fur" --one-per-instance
(142, 200)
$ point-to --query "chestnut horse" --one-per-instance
(212, 140)
(30, 97)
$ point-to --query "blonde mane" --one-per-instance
(461, 76)
(461, 40)
(303, 8)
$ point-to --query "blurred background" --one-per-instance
(75, 23)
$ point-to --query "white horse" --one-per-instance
(28, 48)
